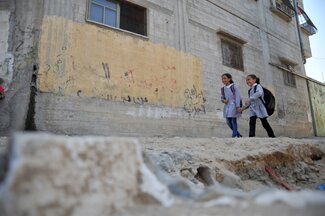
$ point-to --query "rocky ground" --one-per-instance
(241, 163)
(59, 175)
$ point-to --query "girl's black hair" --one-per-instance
(228, 76)
(253, 76)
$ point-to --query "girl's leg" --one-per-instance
(252, 126)
(234, 127)
(229, 123)
(267, 127)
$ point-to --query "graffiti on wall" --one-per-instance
(135, 100)
(106, 70)
(59, 62)
(25, 51)
(194, 101)
(134, 71)
(24, 55)
(6, 69)
(154, 82)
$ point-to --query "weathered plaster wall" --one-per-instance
(88, 61)
(152, 89)
(268, 39)
(80, 115)
(172, 111)
(6, 58)
(21, 61)
(292, 110)
(317, 93)
(97, 80)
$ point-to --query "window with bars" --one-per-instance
(232, 55)
(288, 77)
(119, 14)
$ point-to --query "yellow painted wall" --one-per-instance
(93, 61)
(317, 94)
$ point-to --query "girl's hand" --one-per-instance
(225, 101)
(247, 103)
(239, 110)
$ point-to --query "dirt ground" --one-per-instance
(298, 165)
(244, 176)
(199, 210)
(243, 163)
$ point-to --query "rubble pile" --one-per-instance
(46, 174)
(243, 163)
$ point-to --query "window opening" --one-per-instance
(232, 55)
(119, 14)
(288, 77)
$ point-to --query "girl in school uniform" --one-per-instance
(256, 106)
(230, 96)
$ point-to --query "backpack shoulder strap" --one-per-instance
(249, 90)
(255, 87)
(262, 97)
(232, 87)
(223, 92)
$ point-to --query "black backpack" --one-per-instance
(269, 100)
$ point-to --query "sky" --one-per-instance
(315, 66)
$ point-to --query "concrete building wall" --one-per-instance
(21, 60)
(105, 64)
(6, 58)
(175, 89)
(317, 99)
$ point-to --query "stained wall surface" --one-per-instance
(167, 83)
(84, 60)
(18, 59)
(88, 78)
(317, 98)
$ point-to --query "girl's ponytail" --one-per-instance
(257, 80)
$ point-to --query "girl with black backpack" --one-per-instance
(256, 106)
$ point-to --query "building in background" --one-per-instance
(148, 67)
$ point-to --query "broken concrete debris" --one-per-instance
(62, 175)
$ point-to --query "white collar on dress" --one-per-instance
(228, 86)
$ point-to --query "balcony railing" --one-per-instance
(284, 8)
(308, 28)
(305, 23)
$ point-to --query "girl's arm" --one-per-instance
(259, 92)
(237, 94)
